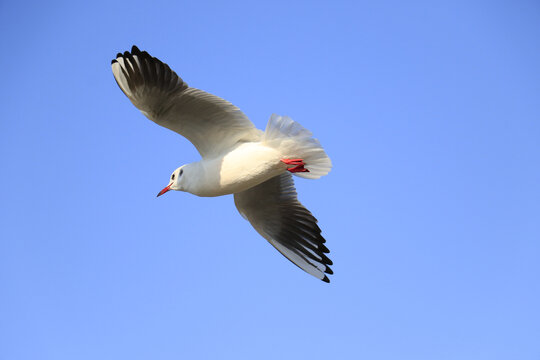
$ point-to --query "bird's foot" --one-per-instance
(298, 165)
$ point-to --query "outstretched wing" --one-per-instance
(274, 211)
(212, 124)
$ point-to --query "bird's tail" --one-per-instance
(296, 142)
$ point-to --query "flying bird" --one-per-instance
(237, 158)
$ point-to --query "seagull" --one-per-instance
(236, 157)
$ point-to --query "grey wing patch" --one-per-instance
(274, 211)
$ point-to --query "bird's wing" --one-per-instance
(274, 211)
(212, 124)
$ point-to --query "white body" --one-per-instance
(246, 166)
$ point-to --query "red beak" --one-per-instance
(164, 190)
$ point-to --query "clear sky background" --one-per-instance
(430, 111)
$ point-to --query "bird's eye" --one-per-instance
(172, 177)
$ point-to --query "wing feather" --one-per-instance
(212, 124)
(274, 211)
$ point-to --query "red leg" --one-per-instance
(298, 168)
(299, 165)
(293, 161)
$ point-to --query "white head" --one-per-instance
(176, 181)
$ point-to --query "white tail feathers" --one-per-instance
(296, 142)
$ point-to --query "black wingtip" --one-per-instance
(326, 279)
(324, 249)
(115, 59)
(135, 50)
(325, 259)
(328, 271)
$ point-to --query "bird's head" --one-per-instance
(176, 181)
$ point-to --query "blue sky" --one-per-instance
(429, 111)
